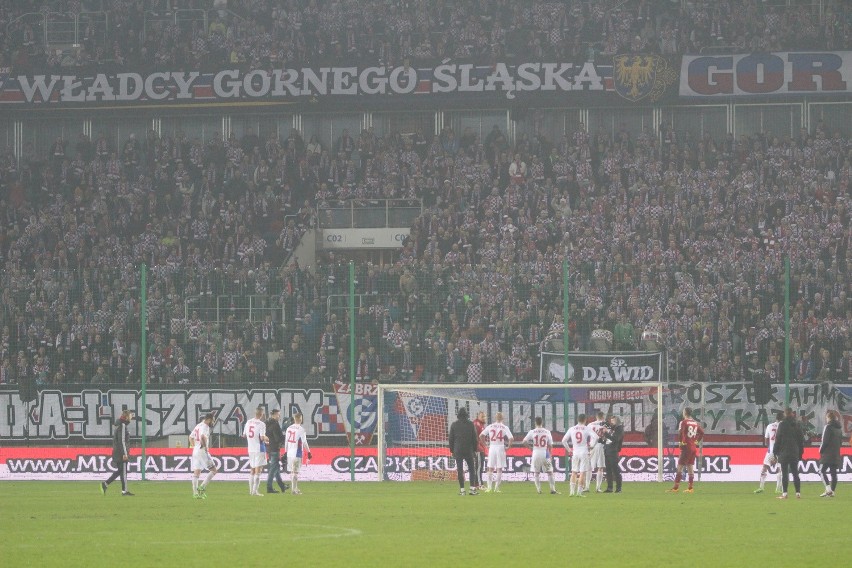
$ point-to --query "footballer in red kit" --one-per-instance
(690, 433)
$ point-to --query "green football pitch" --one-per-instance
(417, 524)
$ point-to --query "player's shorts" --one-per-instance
(598, 459)
(769, 460)
(257, 459)
(294, 464)
(580, 462)
(541, 464)
(201, 460)
(687, 455)
(497, 457)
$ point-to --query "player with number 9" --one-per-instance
(576, 442)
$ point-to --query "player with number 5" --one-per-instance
(255, 433)
(690, 433)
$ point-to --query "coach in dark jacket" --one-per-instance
(120, 452)
(463, 446)
(789, 445)
(829, 451)
(612, 446)
(276, 440)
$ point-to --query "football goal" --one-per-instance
(414, 421)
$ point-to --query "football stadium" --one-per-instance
(425, 282)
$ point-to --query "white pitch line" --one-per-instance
(343, 532)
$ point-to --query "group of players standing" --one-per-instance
(593, 446)
(263, 438)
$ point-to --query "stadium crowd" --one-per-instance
(266, 33)
(673, 240)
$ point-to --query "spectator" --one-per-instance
(804, 369)
(657, 233)
(624, 335)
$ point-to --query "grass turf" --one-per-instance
(416, 524)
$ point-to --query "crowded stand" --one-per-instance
(674, 241)
(213, 34)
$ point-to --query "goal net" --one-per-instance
(414, 422)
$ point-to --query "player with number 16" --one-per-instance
(541, 441)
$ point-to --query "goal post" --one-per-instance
(414, 420)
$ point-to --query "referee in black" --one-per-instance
(463, 446)
(612, 447)
(120, 452)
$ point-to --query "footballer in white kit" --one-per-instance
(201, 459)
(597, 458)
(541, 441)
(199, 438)
(498, 437)
(771, 431)
(255, 433)
(596, 455)
(769, 460)
(296, 441)
(577, 439)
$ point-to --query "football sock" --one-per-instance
(599, 479)
(207, 479)
(762, 478)
(251, 483)
(499, 478)
(537, 479)
(194, 484)
(573, 486)
(256, 483)
(552, 481)
(490, 483)
(691, 477)
(778, 483)
(294, 484)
